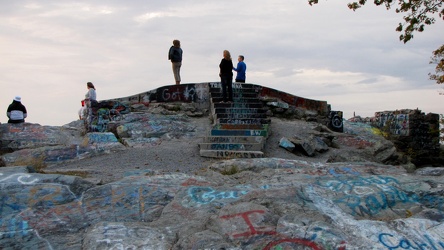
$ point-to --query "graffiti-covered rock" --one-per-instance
(267, 203)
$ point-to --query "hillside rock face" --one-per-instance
(265, 203)
(352, 192)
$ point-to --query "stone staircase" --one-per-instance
(239, 129)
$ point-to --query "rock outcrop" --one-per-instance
(342, 187)
(236, 204)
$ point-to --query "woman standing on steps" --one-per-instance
(226, 76)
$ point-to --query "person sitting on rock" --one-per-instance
(82, 111)
(16, 111)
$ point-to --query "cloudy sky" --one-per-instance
(352, 60)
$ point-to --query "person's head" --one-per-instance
(227, 55)
(176, 43)
(17, 99)
(240, 58)
(89, 85)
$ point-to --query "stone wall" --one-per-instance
(413, 132)
(198, 94)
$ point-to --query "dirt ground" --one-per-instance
(178, 155)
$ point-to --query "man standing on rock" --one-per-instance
(16, 111)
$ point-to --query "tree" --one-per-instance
(418, 14)
(438, 59)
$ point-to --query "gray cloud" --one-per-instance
(50, 49)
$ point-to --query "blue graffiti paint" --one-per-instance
(205, 195)
(346, 184)
(374, 203)
(432, 201)
(427, 242)
(14, 227)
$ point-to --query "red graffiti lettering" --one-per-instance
(253, 230)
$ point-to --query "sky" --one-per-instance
(353, 60)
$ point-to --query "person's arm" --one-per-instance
(8, 112)
(236, 69)
(25, 113)
(220, 67)
(170, 53)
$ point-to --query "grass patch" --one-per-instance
(230, 171)
(38, 164)
(82, 174)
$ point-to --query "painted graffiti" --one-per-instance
(398, 123)
(15, 227)
(370, 195)
(372, 204)
(174, 93)
(230, 146)
(238, 154)
(320, 106)
(278, 241)
(205, 195)
(358, 185)
(335, 121)
(21, 178)
(252, 230)
(395, 242)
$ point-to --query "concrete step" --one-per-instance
(243, 121)
(239, 116)
(241, 126)
(236, 87)
(241, 132)
(232, 146)
(239, 110)
(234, 139)
(229, 154)
(236, 100)
(239, 105)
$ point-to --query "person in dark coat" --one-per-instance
(16, 111)
(226, 76)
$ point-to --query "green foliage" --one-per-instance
(441, 128)
(418, 13)
(438, 59)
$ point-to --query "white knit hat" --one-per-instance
(18, 99)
